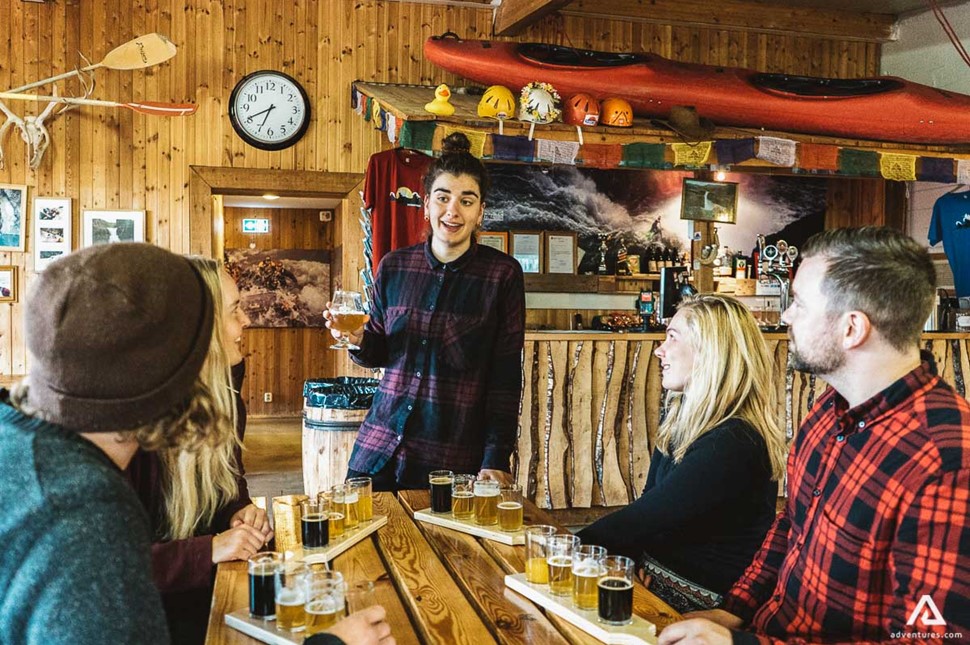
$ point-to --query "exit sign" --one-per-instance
(256, 225)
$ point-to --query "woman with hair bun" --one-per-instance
(447, 323)
(711, 489)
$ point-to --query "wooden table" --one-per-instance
(438, 585)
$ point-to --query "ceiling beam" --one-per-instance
(745, 15)
(514, 16)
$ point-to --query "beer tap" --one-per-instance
(776, 262)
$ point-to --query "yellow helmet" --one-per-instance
(497, 103)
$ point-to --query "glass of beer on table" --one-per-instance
(346, 498)
(510, 508)
(324, 600)
(291, 596)
(347, 315)
(462, 497)
(487, 493)
(587, 569)
(337, 513)
(559, 557)
(616, 590)
(262, 584)
(315, 523)
(365, 497)
(536, 568)
(441, 482)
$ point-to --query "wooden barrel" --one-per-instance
(328, 438)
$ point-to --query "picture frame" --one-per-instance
(498, 240)
(107, 227)
(561, 252)
(8, 283)
(526, 247)
(13, 217)
(53, 230)
(709, 201)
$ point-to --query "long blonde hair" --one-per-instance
(731, 378)
(197, 482)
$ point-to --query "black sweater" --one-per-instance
(703, 518)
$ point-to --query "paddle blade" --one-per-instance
(163, 109)
(143, 51)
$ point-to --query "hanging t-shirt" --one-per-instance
(951, 225)
(393, 192)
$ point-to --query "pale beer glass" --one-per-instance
(346, 315)
(536, 568)
(559, 557)
(345, 498)
(510, 508)
(337, 514)
(463, 497)
(365, 497)
(487, 492)
(291, 596)
(325, 600)
(587, 569)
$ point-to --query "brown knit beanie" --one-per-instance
(117, 334)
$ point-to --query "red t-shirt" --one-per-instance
(393, 192)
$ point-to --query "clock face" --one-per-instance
(269, 110)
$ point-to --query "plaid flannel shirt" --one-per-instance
(450, 337)
(878, 518)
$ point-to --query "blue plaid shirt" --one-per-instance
(450, 337)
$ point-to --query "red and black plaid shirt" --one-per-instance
(450, 337)
(878, 518)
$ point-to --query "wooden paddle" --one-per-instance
(146, 107)
(138, 53)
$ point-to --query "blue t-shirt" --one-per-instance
(951, 225)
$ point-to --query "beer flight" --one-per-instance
(482, 501)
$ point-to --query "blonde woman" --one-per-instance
(197, 499)
(711, 489)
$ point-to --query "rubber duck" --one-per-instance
(440, 105)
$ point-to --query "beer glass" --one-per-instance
(536, 568)
(262, 584)
(441, 482)
(324, 601)
(462, 497)
(587, 568)
(345, 497)
(510, 508)
(616, 590)
(347, 315)
(559, 557)
(365, 497)
(337, 513)
(487, 492)
(291, 596)
(315, 523)
(360, 595)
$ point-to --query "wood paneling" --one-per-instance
(105, 158)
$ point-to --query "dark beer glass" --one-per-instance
(263, 568)
(315, 523)
(441, 482)
(616, 591)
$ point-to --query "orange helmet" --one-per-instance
(581, 109)
(617, 112)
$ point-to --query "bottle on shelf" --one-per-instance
(652, 264)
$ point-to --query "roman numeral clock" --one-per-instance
(269, 110)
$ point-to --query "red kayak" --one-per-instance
(885, 108)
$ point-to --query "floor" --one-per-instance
(273, 457)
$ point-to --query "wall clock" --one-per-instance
(269, 110)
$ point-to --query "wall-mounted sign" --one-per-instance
(256, 225)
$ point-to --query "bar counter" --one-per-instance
(591, 407)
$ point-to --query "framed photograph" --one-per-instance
(53, 222)
(561, 252)
(107, 227)
(526, 247)
(711, 201)
(498, 240)
(13, 217)
(8, 283)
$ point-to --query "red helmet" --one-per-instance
(617, 112)
(582, 109)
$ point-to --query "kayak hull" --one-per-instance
(884, 109)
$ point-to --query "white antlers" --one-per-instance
(32, 128)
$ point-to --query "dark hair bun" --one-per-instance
(455, 143)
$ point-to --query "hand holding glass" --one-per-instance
(347, 316)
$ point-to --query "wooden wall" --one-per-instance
(280, 360)
(112, 158)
